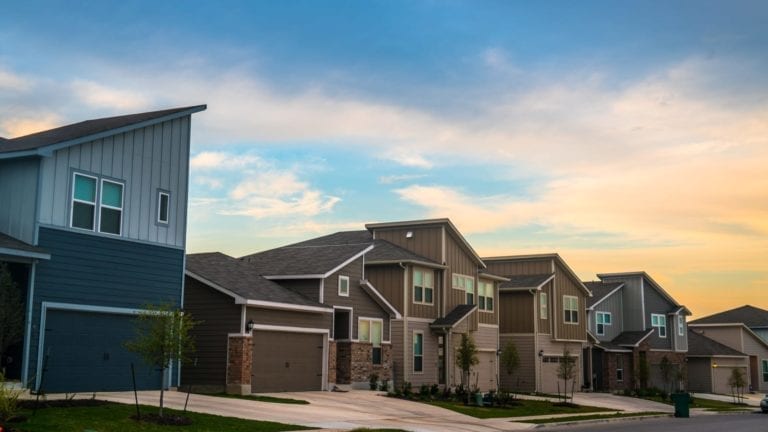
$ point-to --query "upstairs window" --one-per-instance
(659, 322)
(570, 309)
(466, 284)
(485, 296)
(680, 325)
(344, 286)
(84, 202)
(111, 209)
(423, 286)
(163, 204)
(543, 306)
(603, 319)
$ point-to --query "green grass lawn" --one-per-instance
(526, 408)
(269, 399)
(114, 417)
(593, 417)
(708, 404)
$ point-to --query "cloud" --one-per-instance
(214, 160)
(20, 126)
(10, 81)
(103, 96)
(397, 178)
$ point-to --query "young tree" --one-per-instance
(566, 371)
(510, 359)
(163, 336)
(11, 314)
(466, 357)
(643, 372)
(737, 383)
(667, 370)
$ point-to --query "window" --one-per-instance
(680, 325)
(659, 322)
(84, 202)
(163, 201)
(571, 309)
(344, 286)
(418, 352)
(371, 330)
(111, 208)
(765, 370)
(485, 296)
(543, 306)
(423, 286)
(466, 284)
(619, 367)
(603, 319)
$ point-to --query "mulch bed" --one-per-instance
(165, 420)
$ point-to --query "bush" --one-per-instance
(461, 393)
(664, 395)
(627, 392)
(424, 391)
(434, 390)
(9, 401)
(384, 386)
(373, 381)
(407, 391)
(447, 394)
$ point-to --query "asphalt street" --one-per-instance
(752, 422)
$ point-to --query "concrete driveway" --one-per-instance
(331, 410)
(612, 401)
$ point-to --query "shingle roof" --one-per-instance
(454, 317)
(600, 290)
(303, 260)
(700, 345)
(85, 128)
(630, 338)
(13, 246)
(525, 281)
(338, 238)
(752, 317)
(237, 277)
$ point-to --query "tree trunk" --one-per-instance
(162, 390)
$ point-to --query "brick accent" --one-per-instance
(239, 364)
(332, 362)
(353, 362)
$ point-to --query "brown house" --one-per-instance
(542, 312)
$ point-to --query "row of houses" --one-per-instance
(93, 228)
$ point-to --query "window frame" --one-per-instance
(73, 200)
(543, 305)
(423, 286)
(765, 369)
(680, 325)
(569, 318)
(370, 322)
(602, 314)
(343, 278)
(418, 333)
(160, 194)
(658, 325)
(619, 368)
(456, 277)
(121, 208)
(482, 294)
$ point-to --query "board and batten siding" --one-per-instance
(516, 312)
(656, 304)
(491, 317)
(398, 351)
(217, 316)
(102, 271)
(459, 261)
(519, 266)
(545, 324)
(632, 303)
(699, 374)
(419, 310)
(18, 189)
(425, 240)
(566, 285)
(613, 305)
(147, 160)
(388, 280)
(680, 342)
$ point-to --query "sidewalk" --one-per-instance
(749, 399)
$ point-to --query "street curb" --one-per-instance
(603, 420)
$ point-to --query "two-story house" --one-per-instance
(541, 312)
(634, 321)
(93, 222)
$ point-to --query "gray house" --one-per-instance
(93, 227)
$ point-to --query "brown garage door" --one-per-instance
(287, 361)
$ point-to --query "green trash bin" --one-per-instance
(682, 401)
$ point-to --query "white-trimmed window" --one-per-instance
(84, 202)
(570, 309)
(371, 330)
(602, 319)
(765, 370)
(680, 325)
(466, 284)
(418, 352)
(543, 305)
(344, 286)
(659, 322)
(111, 207)
(423, 286)
(485, 296)
(619, 367)
(163, 207)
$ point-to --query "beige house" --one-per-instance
(710, 364)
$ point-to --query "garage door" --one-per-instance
(486, 371)
(86, 354)
(549, 370)
(285, 361)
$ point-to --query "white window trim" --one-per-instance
(351, 321)
(121, 208)
(343, 278)
(763, 364)
(159, 207)
(95, 203)
(680, 325)
(660, 318)
(370, 320)
(423, 287)
(492, 287)
(565, 310)
(461, 276)
(413, 353)
(597, 321)
(543, 307)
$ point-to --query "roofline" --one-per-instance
(438, 221)
(285, 306)
(621, 285)
(554, 255)
(644, 274)
(493, 277)
(50, 148)
(214, 285)
(24, 253)
(636, 344)
(382, 299)
(717, 355)
(474, 308)
(409, 261)
(320, 275)
(537, 287)
(744, 326)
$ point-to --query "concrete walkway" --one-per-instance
(749, 399)
(614, 402)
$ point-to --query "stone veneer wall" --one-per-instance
(239, 364)
(352, 362)
(343, 362)
(332, 362)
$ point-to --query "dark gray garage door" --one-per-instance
(86, 354)
(287, 361)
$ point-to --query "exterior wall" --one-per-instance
(361, 363)
(388, 280)
(680, 343)
(740, 340)
(524, 378)
(754, 346)
(632, 303)
(398, 351)
(147, 160)
(316, 320)
(612, 304)
(18, 189)
(239, 364)
(459, 261)
(332, 364)
(100, 271)
(654, 359)
(520, 267)
(516, 312)
(545, 324)
(430, 366)
(548, 372)
(610, 380)
(486, 317)
(763, 333)
(565, 285)
(426, 241)
(422, 310)
(656, 304)
(722, 372)
(729, 336)
(700, 374)
(309, 288)
(218, 316)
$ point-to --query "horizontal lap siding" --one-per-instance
(217, 316)
(487, 338)
(309, 288)
(516, 312)
(754, 347)
(699, 374)
(315, 320)
(18, 188)
(388, 280)
(524, 377)
(429, 374)
(398, 362)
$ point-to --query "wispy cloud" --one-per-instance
(106, 97)
(397, 178)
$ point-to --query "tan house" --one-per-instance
(710, 364)
(542, 312)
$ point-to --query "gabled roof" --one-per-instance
(752, 317)
(10, 246)
(601, 291)
(526, 282)
(238, 280)
(454, 317)
(554, 256)
(487, 275)
(452, 230)
(380, 299)
(304, 262)
(631, 338)
(338, 238)
(653, 283)
(702, 346)
(47, 141)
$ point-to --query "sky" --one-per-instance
(625, 135)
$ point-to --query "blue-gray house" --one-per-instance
(92, 228)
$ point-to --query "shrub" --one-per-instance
(373, 381)
(424, 391)
(447, 394)
(9, 401)
(627, 392)
(407, 391)
(434, 390)
(461, 393)
(384, 386)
